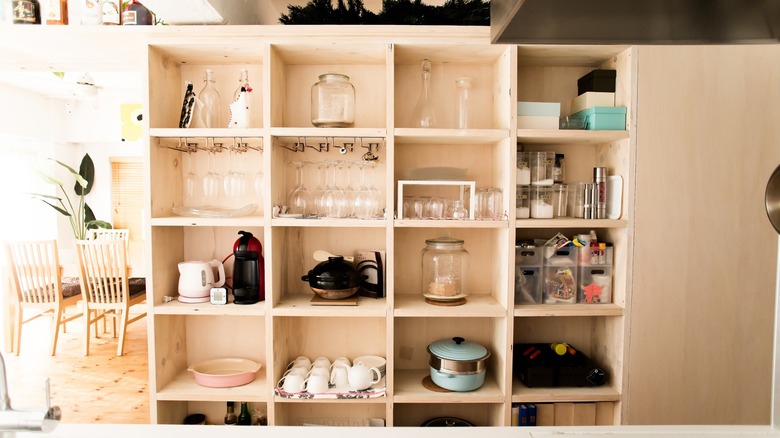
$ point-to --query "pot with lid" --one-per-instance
(457, 364)
(334, 279)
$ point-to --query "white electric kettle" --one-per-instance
(196, 278)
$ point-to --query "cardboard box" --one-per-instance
(604, 118)
(592, 99)
(537, 122)
(548, 109)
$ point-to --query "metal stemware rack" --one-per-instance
(213, 145)
(343, 145)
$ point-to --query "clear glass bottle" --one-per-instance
(444, 268)
(463, 85)
(333, 102)
(112, 15)
(424, 115)
(240, 108)
(458, 211)
(207, 112)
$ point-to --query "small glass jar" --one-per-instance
(333, 102)
(444, 266)
(560, 200)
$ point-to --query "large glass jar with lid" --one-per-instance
(333, 102)
(444, 268)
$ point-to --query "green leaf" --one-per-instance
(47, 178)
(87, 172)
(98, 224)
(89, 215)
(41, 195)
(59, 74)
(61, 210)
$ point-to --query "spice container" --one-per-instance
(523, 168)
(560, 199)
(542, 168)
(333, 101)
(523, 202)
(541, 202)
(444, 267)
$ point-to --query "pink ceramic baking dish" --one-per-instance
(225, 373)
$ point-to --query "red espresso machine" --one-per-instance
(248, 270)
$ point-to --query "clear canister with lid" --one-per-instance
(541, 202)
(542, 163)
(523, 202)
(523, 168)
(333, 101)
(444, 268)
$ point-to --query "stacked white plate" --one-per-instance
(377, 362)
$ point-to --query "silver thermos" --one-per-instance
(599, 193)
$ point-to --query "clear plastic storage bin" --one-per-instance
(595, 285)
(528, 275)
(560, 275)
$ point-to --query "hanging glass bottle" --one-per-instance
(424, 115)
(240, 109)
(207, 113)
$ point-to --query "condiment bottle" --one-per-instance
(230, 416)
(56, 11)
(244, 419)
(26, 12)
(240, 109)
(136, 14)
(112, 15)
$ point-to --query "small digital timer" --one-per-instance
(218, 295)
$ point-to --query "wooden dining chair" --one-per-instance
(105, 287)
(35, 276)
(110, 234)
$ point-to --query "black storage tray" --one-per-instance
(537, 365)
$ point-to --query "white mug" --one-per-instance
(341, 362)
(300, 360)
(321, 361)
(316, 384)
(298, 369)
(319, 371)
(359, 376)
(338, 377)
(292, 383)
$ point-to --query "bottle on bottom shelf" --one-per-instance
(230, 417)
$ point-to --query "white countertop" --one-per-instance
(154, 431)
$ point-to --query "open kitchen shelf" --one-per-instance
(384, 66)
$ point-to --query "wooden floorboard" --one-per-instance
(99, 388)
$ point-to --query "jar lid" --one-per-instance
(334, 75)
(458, 348)
(444, 241)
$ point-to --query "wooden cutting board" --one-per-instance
(317, 300)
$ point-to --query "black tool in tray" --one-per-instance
(543, 365)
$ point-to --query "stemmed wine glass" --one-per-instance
(331, 200)
(190, 180)
(376, 195)
(258, 182)
(322, 186)
(348, 198)
(299, 199)
(363, 202)
(210, 181)
(232, 181)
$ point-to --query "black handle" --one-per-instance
(458, 340)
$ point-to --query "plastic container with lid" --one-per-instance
(541, 163)
(333, 101)
(444, 269)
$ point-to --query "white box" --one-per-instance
(537, 122)
(591, 99)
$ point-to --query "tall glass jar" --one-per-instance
(333, 102)
(444, 267)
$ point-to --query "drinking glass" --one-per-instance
(211, 181)
(494, 209)
(348, 199)
(333, 194)
(299, 199)
(435, 208)
(322, 186)
(363, 202)
(457, 211)
(190, 181)
(376, 195)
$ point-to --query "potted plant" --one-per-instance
(80, 214)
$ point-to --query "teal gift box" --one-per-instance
(604, 118)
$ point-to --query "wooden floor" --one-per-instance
(99, 388)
